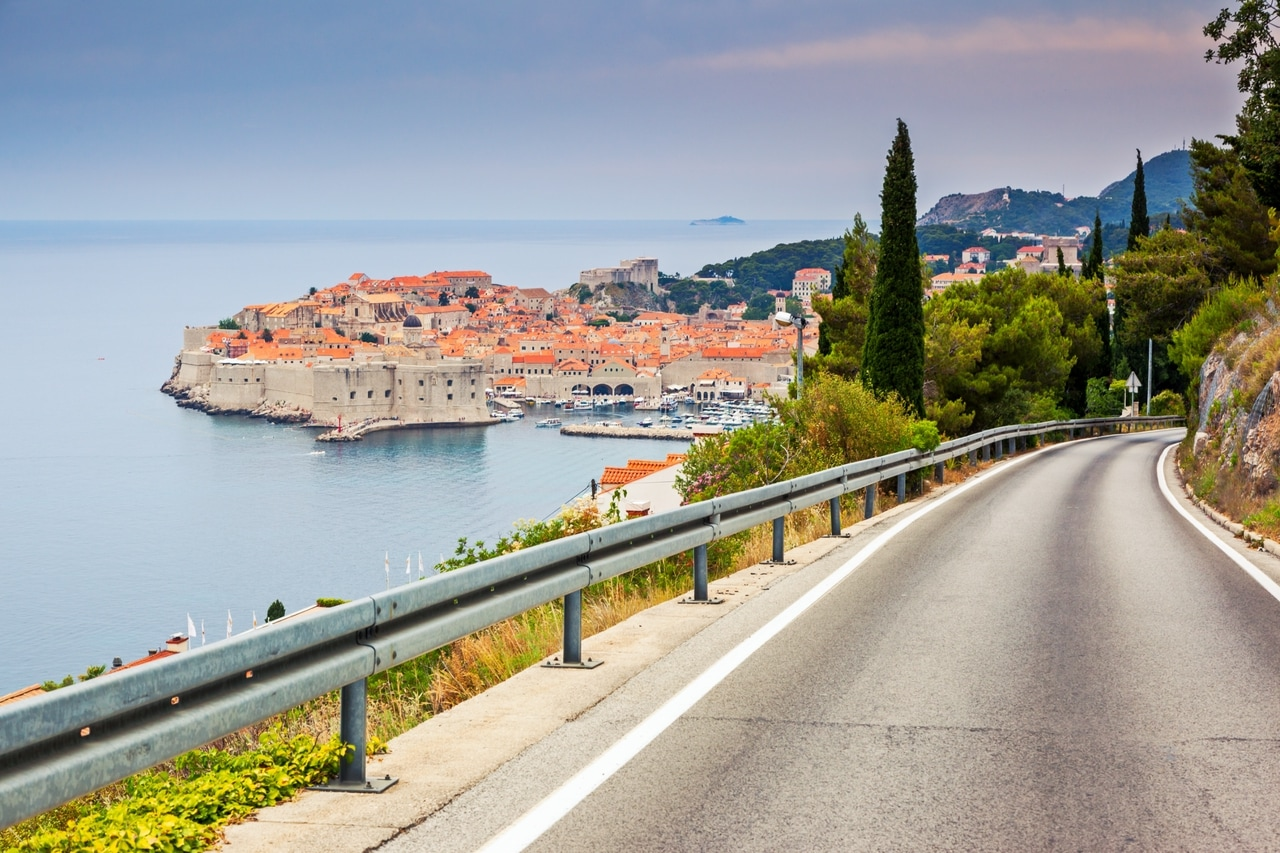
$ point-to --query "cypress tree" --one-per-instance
(1062, 265)
(1139, 223)
(893, 356)
(1095, 249)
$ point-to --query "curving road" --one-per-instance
(1053, 659)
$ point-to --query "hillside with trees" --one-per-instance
(1167, 180)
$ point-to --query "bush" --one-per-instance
(182, 811)
(1103, 399)
(228, 323)
(1168, 403)
(834, 422)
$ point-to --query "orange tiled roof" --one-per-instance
(636, 469)
(19, 695)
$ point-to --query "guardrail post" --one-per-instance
(939, 472)
(902, 488)
(353, 730)
(777, 539)
(869, 502)
(834, 506)
(700, 594)
(999, 449)
(573, 637)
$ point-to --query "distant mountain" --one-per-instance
(1168, 183)
(719, 220)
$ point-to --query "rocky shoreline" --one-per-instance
(197, 397)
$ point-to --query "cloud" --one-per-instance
(990, 38)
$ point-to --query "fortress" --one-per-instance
(411, 384)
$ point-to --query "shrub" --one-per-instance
(1102, 398)
(1228, 309)
(1168, 403)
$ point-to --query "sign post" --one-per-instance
(1131, 387)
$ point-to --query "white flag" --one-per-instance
(386, 567)
(406, 566)
(255, 618)
(228, 624)
(420, 565)
(191, 628)
(202, 631)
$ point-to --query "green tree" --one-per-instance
(473, 292)
(893, 356)
(1226, 213)
(1139, 223)
(267, 337)
(842, 335)
(1029, 333)
(1158, 287)
(228, 323)
(1248, 34)
(1062, 264)
(858, 263)
(275, 611)
(443, 299)
(368, 338)
(1093, 265)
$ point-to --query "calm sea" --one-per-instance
(120, 513)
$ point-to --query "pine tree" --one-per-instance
(1139, 223)
(893, 357)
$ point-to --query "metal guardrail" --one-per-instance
(63, 744)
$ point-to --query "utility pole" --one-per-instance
(1148, 377)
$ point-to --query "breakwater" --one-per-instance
(597, 431)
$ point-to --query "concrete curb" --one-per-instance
(1236, 528)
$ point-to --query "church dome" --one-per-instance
(412, 322)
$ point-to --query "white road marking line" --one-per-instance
(1254, 572)
(530, 826)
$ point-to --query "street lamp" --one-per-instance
(784, 319)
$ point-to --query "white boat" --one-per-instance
(550, 423)
(582, 405)
(646, 422)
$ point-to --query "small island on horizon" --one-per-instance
(719, 220)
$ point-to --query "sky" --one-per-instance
(569, 109)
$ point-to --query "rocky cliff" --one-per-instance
(1234, 462)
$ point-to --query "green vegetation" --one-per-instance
(368, 337)
(833, 422)
(1139, 221)
(275, 611)
(1227, 214)
(183, 810)
(1228, 311)
(893, 355)
(228, 323)
(1011, 348)
(1247, 35)
(90, 673)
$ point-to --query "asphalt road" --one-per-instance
(1052, 660)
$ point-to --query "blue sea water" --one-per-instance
(120, 513)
